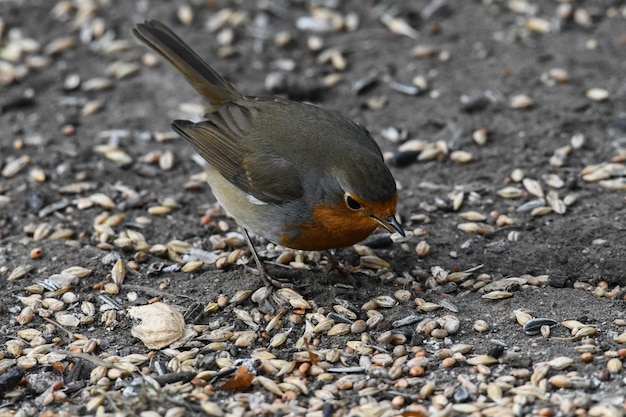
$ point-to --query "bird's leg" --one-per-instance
(269, 280)
(335, 265)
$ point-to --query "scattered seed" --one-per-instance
(510, 192)
(597, 94)
(15, 166)
(497, 295)
(398, 26)
(533, 327)
(520, 101)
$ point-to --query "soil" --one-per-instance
(481, 51)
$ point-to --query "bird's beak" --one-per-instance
(391, 224)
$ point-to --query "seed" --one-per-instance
(339, 329)
(68, 320)
(517, 175)
(422, 249)
(418, 145)
(399, 26)
(560, 363)
(570, 199)
(359, 326)
(20, 272)
(192, 266)
(510, 192)
(241, 296)
(597, 94)
(620, 339)
(497, 295)
(335, 57)
(457, 201)
(452, 324)
(573, 324)
(159, 210)
(559, 75)
(97, 84)
(118, 273)
(577, 141)
(462, 157)
(426, 305)
(185, 14)
(439, 333)
(14, 347)
(114, 154)
(533, 327)
(533, 187)
(584, 331)
(92, 107)
(560, 381)
(520, 101)
(480, 136)
(614, 365)
(120, 70)
(373, 262)
(28, 334)
(77, 271)
(423, 51)
(279, 339)
(473, 216)
(269, 385)
(522, 317)
(42, 231)
(37, 174)
(166, 161)
(553, 181)
(429, 154)
(473, 227)
(482, 360)
(556, 204)
(481, 326)
(111, 288)
(59, 45)
(540, 211)
(323, 326)
(69, 297)
(538, 25)
(385, 301)
(36, 253)
(25, 316)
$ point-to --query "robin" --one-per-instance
(299, 175)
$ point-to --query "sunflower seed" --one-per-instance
(533, 327)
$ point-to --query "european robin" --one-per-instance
(299, 175)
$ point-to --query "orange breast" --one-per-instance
(331, 227)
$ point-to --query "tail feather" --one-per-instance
(198, 73)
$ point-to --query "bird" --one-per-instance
(298, 175)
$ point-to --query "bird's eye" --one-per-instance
(352, 203)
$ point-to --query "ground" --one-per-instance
(86, 110)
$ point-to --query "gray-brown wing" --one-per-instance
(221, 140)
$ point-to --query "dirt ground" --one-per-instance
(472, 61)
